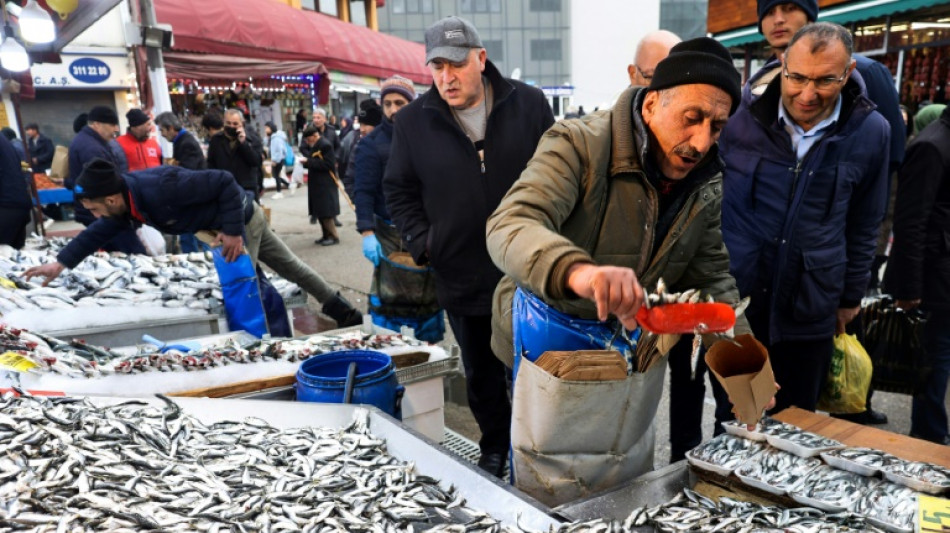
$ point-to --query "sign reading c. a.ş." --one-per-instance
(89, 70)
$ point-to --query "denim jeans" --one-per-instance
(929, 413)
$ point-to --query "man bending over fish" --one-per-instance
(177, 200)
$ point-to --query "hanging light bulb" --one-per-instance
(12, 54)
(36, 26)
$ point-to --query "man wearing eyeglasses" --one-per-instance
(652, 48)
(804, 192)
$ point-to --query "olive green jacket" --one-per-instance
(584, 197)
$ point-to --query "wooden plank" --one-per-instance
(230, 389)
(853, 434)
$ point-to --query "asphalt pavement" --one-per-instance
(344, 267)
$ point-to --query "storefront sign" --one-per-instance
(83, 72)
(558, 90)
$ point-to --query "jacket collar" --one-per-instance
(501, 90)
(629, 153)
(95, 135)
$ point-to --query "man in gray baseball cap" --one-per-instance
(451, 38)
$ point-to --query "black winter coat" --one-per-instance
(13, 188)
(42, 150)
(86, 146)
(322, 194)
(440, 195)
(919, 264)
(242, 160)
(187, 151)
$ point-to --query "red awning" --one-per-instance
(273, 31)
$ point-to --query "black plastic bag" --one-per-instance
(892, 338)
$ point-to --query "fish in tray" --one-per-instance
(690, 511)
(723, 454)
(802, 443)
(776, 471)
(766, 426)
(890, 505)
(831, 489)
(71, 466)
(924, 477)
(864, 461)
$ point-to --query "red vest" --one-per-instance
(141, 154)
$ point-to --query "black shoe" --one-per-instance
(868, 417)
(945, 441)
(337, 223)
(876, 418)
(340, 310)
(493, 463)
(329, 241)
(313, 220)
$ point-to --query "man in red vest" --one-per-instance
(141, 149)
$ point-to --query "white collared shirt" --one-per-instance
(802, 140)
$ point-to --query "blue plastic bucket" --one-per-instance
(322, 379)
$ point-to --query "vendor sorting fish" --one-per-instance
(549, 236)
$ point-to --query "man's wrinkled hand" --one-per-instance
(232, 246)
(615, 290)
(845, 316)
(49, 272)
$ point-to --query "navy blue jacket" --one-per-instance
(86, 146)
(369, 161)
(880, 89)
(13, 187)
(802, 234)
(42, 150)
(173, 200)
(440, 194)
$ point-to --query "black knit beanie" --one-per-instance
(810, 7)
(700, 60)
(371, 113)
(99, 178)
(80, 122)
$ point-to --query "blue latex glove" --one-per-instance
(371, 249)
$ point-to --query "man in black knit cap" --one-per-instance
(615, 200)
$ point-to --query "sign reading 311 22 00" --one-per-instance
(89, 70)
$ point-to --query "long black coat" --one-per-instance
(242, 160)
(919, 264)
(440, 194)
(187, 151)
(323, 198)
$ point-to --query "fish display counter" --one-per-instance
(198, 464)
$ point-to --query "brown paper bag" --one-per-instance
(746, 374)
(60, 167)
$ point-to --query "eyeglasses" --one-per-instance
(644, 75)
(798, 81)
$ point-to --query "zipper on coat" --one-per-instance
(796, 173)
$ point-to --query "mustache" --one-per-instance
(685, 150)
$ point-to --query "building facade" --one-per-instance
(686, 18)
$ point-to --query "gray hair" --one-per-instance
(168, 120)
(319, 111)
(235, 111)
(822, 35)
(666, 95)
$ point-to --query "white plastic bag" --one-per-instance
(296, 175)
(152, 240)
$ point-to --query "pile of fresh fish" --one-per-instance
(116, 279)
(766, 426)
(924, 477)
(802, 443)
(71, 466)
(724, 453)
(80, 360)
(889, 505)
(831, 489)
(864, 461)
(690, 511)
(776, 471)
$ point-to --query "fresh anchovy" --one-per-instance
(766, 426)
(781, 471)
(889, 504)
(689, 511)
(867, 461)
(832, 488)
(919, 476)
(802, 443)
(725, 451)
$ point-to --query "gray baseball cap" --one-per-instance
(451, 38)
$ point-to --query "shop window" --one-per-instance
(545, 5)
(309, 4)
(495, 50)
(480, 6)
(545, 49)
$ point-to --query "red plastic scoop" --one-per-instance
(685, 318)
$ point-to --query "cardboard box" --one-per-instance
(423, 407)
(746, 374)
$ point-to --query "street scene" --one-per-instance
(459, 265)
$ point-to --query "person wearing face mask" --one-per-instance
(141, 149)
(238, 151)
